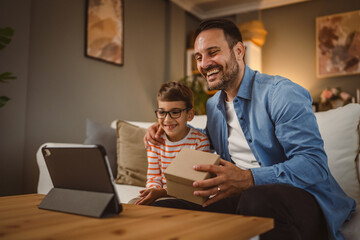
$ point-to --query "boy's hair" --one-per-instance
(231, 31)
(176, 91)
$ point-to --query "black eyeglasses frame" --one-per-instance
(169, 112)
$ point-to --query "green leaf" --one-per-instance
(4, 77)
(200, 96)
(5, 36)
(8, 31)
(3, 100)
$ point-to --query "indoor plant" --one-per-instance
(197, 86)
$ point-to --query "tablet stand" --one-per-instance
(93, 204)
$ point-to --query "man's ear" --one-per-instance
(239, 49)
(191, 114)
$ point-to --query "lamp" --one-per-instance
(253, 31)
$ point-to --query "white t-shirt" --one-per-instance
(239, 149)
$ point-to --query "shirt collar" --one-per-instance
(246, 85)
(245, 89)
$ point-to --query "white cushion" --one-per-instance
(199, 121)
(127, 192)
(339, 130)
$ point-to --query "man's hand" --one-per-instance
(153, 134)
(148, 196)
(230, 180)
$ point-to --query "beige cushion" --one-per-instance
(131, 154)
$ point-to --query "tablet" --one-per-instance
(84, 169)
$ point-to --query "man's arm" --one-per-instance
(297, 132)
(230, 180)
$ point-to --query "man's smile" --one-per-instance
(212, 72)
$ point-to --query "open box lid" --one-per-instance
(181, 169)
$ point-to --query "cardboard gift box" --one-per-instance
(180, 174)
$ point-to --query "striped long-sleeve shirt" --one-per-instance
(159, 157)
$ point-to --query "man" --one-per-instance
(265, 130)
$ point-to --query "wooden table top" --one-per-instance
(20, 218)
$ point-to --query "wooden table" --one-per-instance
(20, 218)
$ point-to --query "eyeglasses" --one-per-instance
(174, 114)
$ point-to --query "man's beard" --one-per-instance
(228, 78)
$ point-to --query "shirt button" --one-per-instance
(236, 100)
(250, 140)
(241, 118)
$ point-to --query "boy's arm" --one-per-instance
(154, 171)
(149, 196)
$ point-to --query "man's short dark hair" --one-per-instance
(176, 91)
(231, 31)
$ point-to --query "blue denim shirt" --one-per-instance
(280, 127)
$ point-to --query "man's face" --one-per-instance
(215, 60)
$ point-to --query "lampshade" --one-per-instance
(253, 31)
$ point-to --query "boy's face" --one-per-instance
(175, 129)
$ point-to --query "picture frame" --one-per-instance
(338, 44)
(191, 67)
(104, 38)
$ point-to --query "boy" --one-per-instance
(175, 109)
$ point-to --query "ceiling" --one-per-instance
(218, 8)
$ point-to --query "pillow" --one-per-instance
(199, 121)
(131, 154)
(105, 136)
(339, 129)
(136, 123)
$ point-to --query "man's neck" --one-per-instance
(233, 89)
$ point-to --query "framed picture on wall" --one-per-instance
(191, 67)
(338, 44)
(104, 38)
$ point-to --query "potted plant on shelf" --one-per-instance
(197, 86)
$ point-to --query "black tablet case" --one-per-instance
(82, 182)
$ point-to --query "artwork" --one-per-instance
(338, 44)
(191, 67)
(104, 35)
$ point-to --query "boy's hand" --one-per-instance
(153, 134)
(148, 196)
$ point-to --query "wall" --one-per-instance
(176, 43)
(65, 87)
(58, 88)
(290, 46)
(289, 49)
(14, 58)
